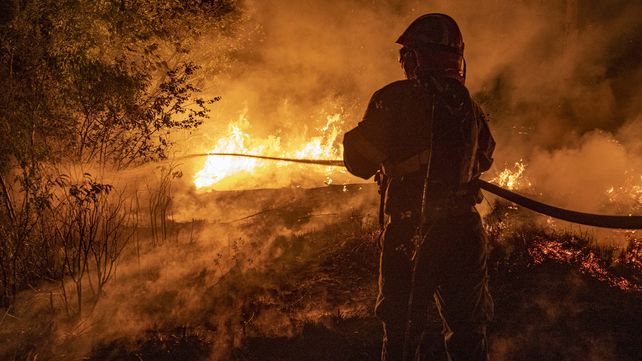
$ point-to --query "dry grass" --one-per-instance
(293, 283)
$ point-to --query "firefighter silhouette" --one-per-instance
(427, 141)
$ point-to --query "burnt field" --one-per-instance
(291, 274)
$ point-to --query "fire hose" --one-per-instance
(589, 219)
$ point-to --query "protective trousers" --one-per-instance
(451, 267)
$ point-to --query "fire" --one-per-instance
(513, 179)
(569, 251)
(628, 195)
(238, 140)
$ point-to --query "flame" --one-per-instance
(513, 179)
(628, 195)
(238, 140)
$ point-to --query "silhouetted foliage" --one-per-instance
(87, 82)
(99, 80)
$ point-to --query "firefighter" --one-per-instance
(427, 140)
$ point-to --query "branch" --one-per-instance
(7, 200)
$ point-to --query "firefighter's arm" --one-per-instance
(365, 147)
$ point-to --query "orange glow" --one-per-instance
(586, 260)
(629, 193)
(323, 145)
(513, 179)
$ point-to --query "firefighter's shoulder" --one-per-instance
(398, 88)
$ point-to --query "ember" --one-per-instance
(572, 252)
(626, 197)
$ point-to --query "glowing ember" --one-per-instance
(586, 260)
(627, 196)
(513, 179)
(237, 140)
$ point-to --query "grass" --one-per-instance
(295, 283)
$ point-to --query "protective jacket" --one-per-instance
(402, 121)
(413, 128)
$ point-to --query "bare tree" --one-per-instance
(93, 227)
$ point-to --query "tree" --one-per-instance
(99, 81)
(89, 81)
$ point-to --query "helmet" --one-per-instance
(436, 30)
(433, 45)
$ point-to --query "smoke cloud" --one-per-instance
(562, 88)
(561, 85)
(560, 80)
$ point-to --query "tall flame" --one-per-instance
(238, 140)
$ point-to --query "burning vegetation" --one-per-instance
(221, 171)
(117, 245)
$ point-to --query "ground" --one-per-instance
(291, 274)
(556, 298)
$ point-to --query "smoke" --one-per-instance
(560, 80)
(299, 65)
(561, 89)
(231, 275)
(563, 93)
(565, 102)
